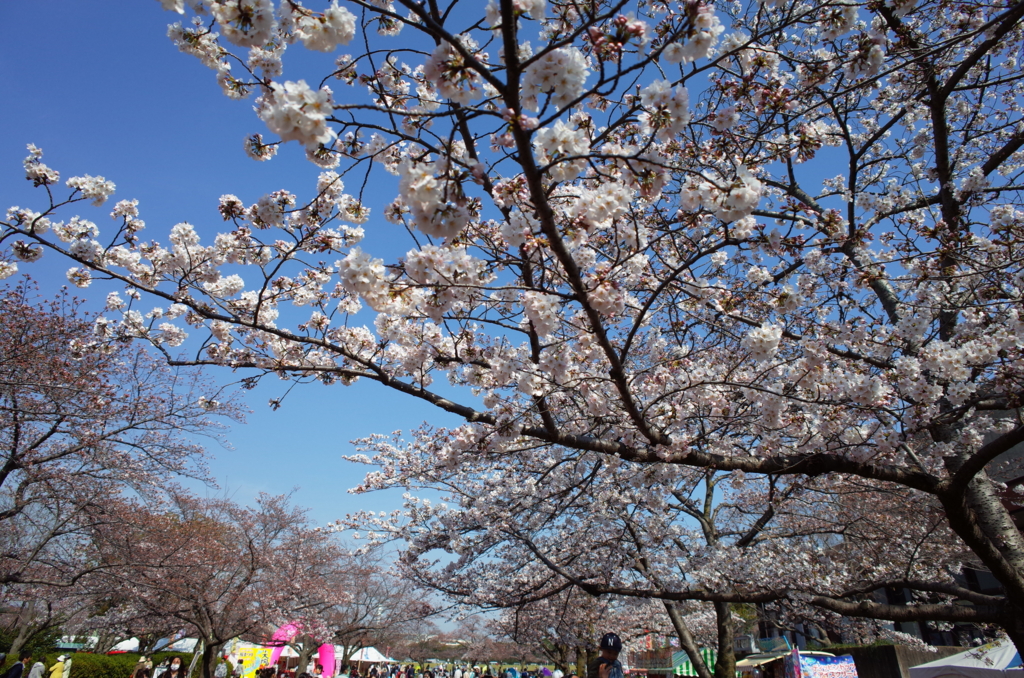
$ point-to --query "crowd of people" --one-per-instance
(60, 669)
(606, 666)
(171, 667)
(411, 671)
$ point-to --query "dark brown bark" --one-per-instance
(725, 663)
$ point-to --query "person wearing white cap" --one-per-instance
(57, 670)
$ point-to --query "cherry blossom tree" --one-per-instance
(380, 609)
(778, 241)
(565, 628)
(219, 570)
(78, 428)
(375, 608)
(39, 616)
(114, 616)
(701, 541)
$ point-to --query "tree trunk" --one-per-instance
(305, 654)
(687, 642)
(147, 641)
(980, 519)
(558, 654)
(583, 658)
(106, 640)
(211, 651)
(725, 664)
(24, 633)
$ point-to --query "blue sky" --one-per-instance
(100, 88)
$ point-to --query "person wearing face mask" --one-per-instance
(176, 669)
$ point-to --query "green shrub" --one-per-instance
(121, 665)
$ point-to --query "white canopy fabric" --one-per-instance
(370, 654)
(998, 659)
(130, 645)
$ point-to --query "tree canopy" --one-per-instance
(654, 248)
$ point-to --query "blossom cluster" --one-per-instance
(666, 112)
(324, 32)
(702, 36)
(562, 73)
(297, 112)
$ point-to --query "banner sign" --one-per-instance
(252, 658)
(822, 667)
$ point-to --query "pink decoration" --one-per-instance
(326, 659)
(281, 636)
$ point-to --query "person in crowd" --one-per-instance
(607, 663)
(67, 667)
(175, 669)
(222, 669)
(57, 670)
(139, 665)
(38, 669)
(17, 670)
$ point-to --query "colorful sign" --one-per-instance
(252, 658)
(828, 667)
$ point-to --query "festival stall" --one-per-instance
(682, 666)
(780, 665)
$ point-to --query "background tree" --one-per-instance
(219, 570)
(380, 609)
(565, 629)
(36, 623)
(77, 427)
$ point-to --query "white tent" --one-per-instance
(371, 655)
(998, 659)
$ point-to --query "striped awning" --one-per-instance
(682, 666)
